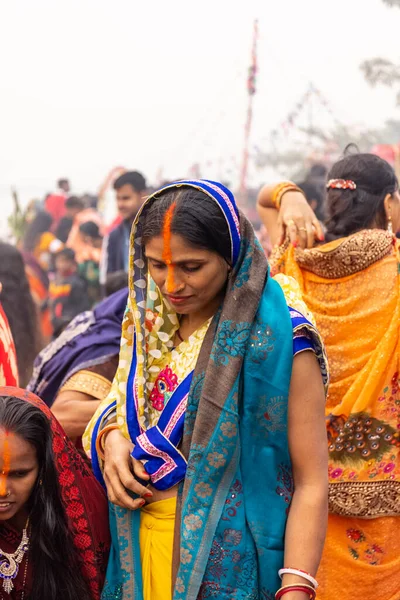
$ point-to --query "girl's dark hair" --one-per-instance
(56, 569)
(363, 208)
(20, 309)
(40, 224)
(197, 218)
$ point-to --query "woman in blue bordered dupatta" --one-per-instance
(212, 442)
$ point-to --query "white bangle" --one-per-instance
(302, 574)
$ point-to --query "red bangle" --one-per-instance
(295, 588)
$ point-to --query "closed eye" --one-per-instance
(19, 474)
(188, 269)
(157, 265)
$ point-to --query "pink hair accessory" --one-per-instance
(300, 573)
(341, 184)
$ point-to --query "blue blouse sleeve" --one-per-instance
(302, 337)
(307, 338)
(302, 343)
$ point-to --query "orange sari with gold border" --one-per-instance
(352, 286)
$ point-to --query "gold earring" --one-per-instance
(390, 225)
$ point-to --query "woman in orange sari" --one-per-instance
(352, 285)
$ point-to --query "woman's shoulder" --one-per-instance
(294, 298)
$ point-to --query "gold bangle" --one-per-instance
(280, 190)
(100, 439)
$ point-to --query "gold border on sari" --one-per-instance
(365, 499)
(352, 254)
(89, 383)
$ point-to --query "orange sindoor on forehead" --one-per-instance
(6, 466)
(167, 253)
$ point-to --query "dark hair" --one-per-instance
(314, 192)
(317, 170)
(64, 229)
(363, 208)
(132, 178)
(115, 281)
(56, 566)
(66, 253)
(91, 229)
(62, 182)
(40, 224)
(197, 218)
(20, 309)
(74, 202)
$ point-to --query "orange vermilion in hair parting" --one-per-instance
(6, 466)
(167, 254)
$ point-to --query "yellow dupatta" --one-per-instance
(156, 323)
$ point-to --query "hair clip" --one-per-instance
(341, 184)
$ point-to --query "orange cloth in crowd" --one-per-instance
(352, 286)
(40, 295)
(8, 356)
(84, 251)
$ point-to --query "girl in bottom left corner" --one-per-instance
(54, 535)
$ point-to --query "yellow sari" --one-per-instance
(352, 286)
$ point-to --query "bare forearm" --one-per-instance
(269, 218)
(74, 415)
(306, 530)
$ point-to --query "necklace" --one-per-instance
(9, 563)
(24, 580)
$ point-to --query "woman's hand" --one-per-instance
(119, 470)
(297, 219)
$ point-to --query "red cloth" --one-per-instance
(113, 225)
(8, 356)
(85, 505)
(55, 205)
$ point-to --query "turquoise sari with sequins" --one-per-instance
(235, 496)
(240, 485)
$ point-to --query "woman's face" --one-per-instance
(395, 211)
(19, 471)
(195, 279)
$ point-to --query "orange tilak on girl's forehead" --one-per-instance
(167, 253)
(6, 466)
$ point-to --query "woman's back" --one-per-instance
(351, 286)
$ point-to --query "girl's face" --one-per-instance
(19, 469)
(192, 279)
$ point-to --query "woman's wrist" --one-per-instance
(102, 438)
(283, 190)
(291, 197)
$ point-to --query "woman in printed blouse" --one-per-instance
(352, 285)
(212, 442)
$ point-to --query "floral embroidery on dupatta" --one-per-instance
(364, 550)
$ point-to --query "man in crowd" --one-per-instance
(55, 203)
(130, 190)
